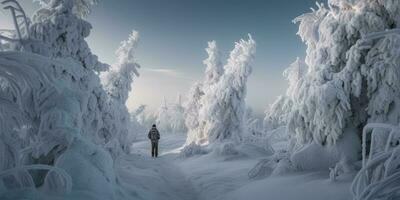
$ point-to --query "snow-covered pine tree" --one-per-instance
(192, 107)
(118, 81)
(118, 84)
(214, 71)
(226, 109)
(214, 68)
(171, 117)
(61, 30)
(59, 115)
(81, 8)
(178, 116)
(200, 94)
(163, 117)
(352, 79)
(278, 113)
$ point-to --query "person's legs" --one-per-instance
(152, 149)
(156, 148)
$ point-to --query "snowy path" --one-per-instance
(155, 178)
(215, 177)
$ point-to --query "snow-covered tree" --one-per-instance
(117, 82)
(178, 116)
(171, 117)
(192, 107)
(216, 107)
(226, 99)
(352, 79)
(163, 117)
(81, 8)
(56, 116)
(144, 119)
(214, 68)
(278, 113)
(62, 32)
(197, 115)
(119, 79)
(253, 125)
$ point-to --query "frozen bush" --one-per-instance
(379, 177)
(226, 149)
(191, 150)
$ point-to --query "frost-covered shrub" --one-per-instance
(353, 59)
(278, 164)
(314, 156)
(379, 177)
(191, 150)
(226, 149)
(341, 168)
(262, 169)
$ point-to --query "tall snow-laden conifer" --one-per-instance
(226, 99)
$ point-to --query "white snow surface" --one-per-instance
(212, 176)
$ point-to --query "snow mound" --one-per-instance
(226, 149)
(317, 157)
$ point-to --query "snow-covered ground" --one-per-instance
(211, 176)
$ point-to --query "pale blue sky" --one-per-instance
(174, 34)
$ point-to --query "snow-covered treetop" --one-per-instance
(126, 51)
(81, 8)
(241, 57)
(293, 74)
(120, 77)
(61, 30)
(214, 68)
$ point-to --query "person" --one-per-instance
(154, 136)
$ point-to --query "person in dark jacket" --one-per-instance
(154, 136)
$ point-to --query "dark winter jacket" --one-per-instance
(154, 135)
